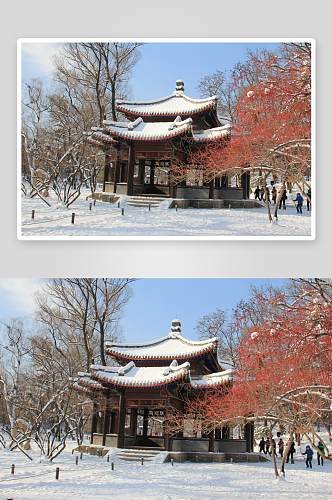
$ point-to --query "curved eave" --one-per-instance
(101, 143)
(142, 385)
(201, 388)
(131, 138)
(155, 114)
(166, 359)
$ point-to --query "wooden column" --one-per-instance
(245, 181)
(249, 436)
(113, 425)
(171, 182)
(180, 433)
(133, 421)
(225, 432)
(130, 170)
(117, 168)
(106, 424)
(211, 189)
(218, 434)
(141, 171)
(211, 441)
(94, 420)
(166, 436)
(106, 170)
(121, 420)
(145, 422)
(152, 169)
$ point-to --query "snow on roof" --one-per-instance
(175, 104)
(212, 134)
(142, 377)
(212, 379)
(86, 383)
(133, 376)
(173, 346)
(141, 131)
(98, 137)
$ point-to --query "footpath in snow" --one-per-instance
(106, 220)
(93, 478)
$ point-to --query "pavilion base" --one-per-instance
(183, 192)
(215, 457)
(187, 445)
(206, 203)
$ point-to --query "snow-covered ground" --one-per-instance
(93, 478)
(108, 221)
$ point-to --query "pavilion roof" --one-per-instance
(212, 134)
(140, 131)
(133, 377)
(176, 104)
(173, 346)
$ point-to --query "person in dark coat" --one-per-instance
(262, 192)
(309, 202)
(262, 446)
(291, 452)
(256, 193)
(321, 453)
(281, 447)
(299, 203)
(283, 200)
(309, 453)
(274, 194)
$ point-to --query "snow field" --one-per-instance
(106, 221)
(93, 478)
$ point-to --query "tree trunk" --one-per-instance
(289, 444)
(273, 453)
(267, 200)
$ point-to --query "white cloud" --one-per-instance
(16, 296)
(36, 59)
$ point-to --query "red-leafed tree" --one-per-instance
(271, 122)
(283, 374)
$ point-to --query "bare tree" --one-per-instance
(102, 70)
(90, 307)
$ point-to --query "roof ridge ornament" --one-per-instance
(179, 85)
(176, 326)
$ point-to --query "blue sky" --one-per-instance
(156, 302)
(162, 63)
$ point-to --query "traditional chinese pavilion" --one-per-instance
(141, 150)
(130, 400)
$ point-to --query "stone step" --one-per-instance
(141, 452)
(138, 455)
(134, 459)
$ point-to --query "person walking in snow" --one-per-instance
(309, 453)
(267, 446)
(283, 200)
(309, 202)
(262, 191)
(274, 194)
(262, 446)
(299, 203)
(256, 193)
(281, 447)
(267, 197)
(291, 452)
(321, 453)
